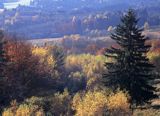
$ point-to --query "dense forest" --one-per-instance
(83, 77)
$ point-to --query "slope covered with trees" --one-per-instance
(49, 80)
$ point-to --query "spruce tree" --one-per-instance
(2, 57)
(130, 69)
(2, 67)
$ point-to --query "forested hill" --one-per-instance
(57, 18)
(95, 3)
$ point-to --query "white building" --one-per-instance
(11, 5)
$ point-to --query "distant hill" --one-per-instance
(96, 4)
(56, 18)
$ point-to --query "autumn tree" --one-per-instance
(101, 103)
(24, 73)
(130, 69)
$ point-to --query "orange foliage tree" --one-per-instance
(23, 72)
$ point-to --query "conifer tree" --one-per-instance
(2, 67)
(2, 57)
(130, 69)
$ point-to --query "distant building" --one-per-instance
(42, 3)
(10, 4)
(7, 1)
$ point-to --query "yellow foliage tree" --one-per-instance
(91, 104)
(99, 103)
(118, 104)
(44, 54)
(88, 65)
(51, 59)
(24, 110)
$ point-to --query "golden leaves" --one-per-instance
(98, 103)
(44, 54)
(24, 110)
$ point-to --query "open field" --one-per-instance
(151, 34)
